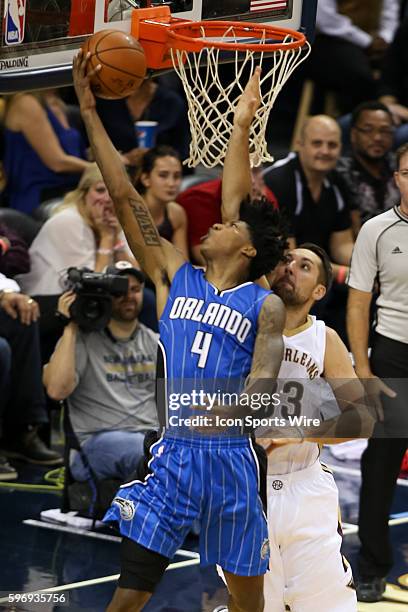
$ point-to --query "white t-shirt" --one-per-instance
(64, 240)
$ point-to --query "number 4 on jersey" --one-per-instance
(201, 346)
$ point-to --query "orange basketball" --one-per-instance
(123, 63)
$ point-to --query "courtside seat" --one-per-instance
(24, 225)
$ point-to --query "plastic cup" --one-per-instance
(146, 132)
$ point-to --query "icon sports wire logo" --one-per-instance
(14, 22)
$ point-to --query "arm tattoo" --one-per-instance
(147, 227)
(269, 342)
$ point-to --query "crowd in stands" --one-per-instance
(107, 377)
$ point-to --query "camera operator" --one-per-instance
(108, 376)
(22, 400)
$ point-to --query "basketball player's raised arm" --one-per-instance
(157, 257)
(268, 352)
(237, 180)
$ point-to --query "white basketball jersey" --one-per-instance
(301, 391)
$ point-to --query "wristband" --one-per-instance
(4, 245)
(62, 318)
(119, 246)
(341, 275)
(105, 251)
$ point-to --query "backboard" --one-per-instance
(40, 37)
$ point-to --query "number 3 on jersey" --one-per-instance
(201, 347)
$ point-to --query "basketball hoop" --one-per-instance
(198, 49)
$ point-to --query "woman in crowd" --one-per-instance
(43, 155)
(159, 182)
(82, 232)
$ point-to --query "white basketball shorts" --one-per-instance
(307, 571)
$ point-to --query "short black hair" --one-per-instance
(373, 105)
(326, 271)
(401, 151)
(268, 231)
(148, 161)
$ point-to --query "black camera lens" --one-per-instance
(92, 308)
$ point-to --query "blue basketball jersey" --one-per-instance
(207, 336)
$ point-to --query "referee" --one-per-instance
(381, 254)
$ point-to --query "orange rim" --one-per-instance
(188, 36)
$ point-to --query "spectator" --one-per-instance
(159, 183)
(369, 170)
(155, 100)
(83, 232)
(43, 155)
(393, 88)
(352, 38)
(202, 204)
(22, 395)
(14, 256)
(118, 122)
(109, 379)
(313, 195)
(316, 202)
(380, 252)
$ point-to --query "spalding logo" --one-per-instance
(126, 508)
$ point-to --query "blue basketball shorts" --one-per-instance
(210, 479)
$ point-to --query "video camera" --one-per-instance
(92, 308)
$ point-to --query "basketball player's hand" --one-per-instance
(82, 83)
(249, 101)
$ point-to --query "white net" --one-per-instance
(212, 100)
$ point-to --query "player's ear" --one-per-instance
(145, 179)
(249, 251)
(319, 292)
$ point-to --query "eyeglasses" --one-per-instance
(371, 131)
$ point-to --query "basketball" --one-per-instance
(122, 60)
